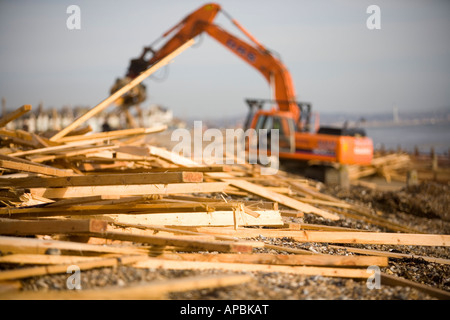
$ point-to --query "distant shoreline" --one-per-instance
(391, 123)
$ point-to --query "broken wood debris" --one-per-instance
(14, 115)
(343, 236)
(153, 290)
(100, 201)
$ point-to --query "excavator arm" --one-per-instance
(190, 27)
(292, 118)
(255, 54)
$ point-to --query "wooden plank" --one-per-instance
(153, 290)
(292, 213)
(25, 136)
(171, 188)
(220, 246)
(214, 202)
(70, 154)
(310, 191)
(281, 259)
(20, 134)
(39, 246)
(55, 269)
(245, 185)
(29, 200)
(362, 172)
(326, 203)
(341, 236)
(192, 198)
(39, 140)
(321, 227)
(43, 259)
(125, 200)
(217, 168)
(80, 131)
(391, 280)
(205, 238)
(362, 213)
(249, 211)
(34, 227)
(105, 103)
(78, 201)
(5, 119)
(116, 134)
(102, 180)
(89, 209)
(103, 166)
(140, 233)
(240, 267)
(12, 286)
(18, 142)
(370, 218)
(19, 160)
(10, 194)
(235, 192)
(280, 198)
(46, 170)
(178, 214)
(58, 148)
(188, 219)
(290, 250)
(389, 254)
(171, 230)
(137, 151)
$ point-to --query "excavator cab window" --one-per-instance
(260, 122)
(304, 122)
(285, 127)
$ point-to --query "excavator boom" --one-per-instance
(256, 55)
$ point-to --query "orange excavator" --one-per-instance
(298, 139)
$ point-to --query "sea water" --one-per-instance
(408, 137)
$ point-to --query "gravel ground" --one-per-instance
(265, 286)
(426, 210)
(423, 207)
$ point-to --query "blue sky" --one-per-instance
(336, 63)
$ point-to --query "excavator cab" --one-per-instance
(269, 120)
(299, 140)
(284, 126)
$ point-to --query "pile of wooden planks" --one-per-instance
(104, 199)
(392, 166)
